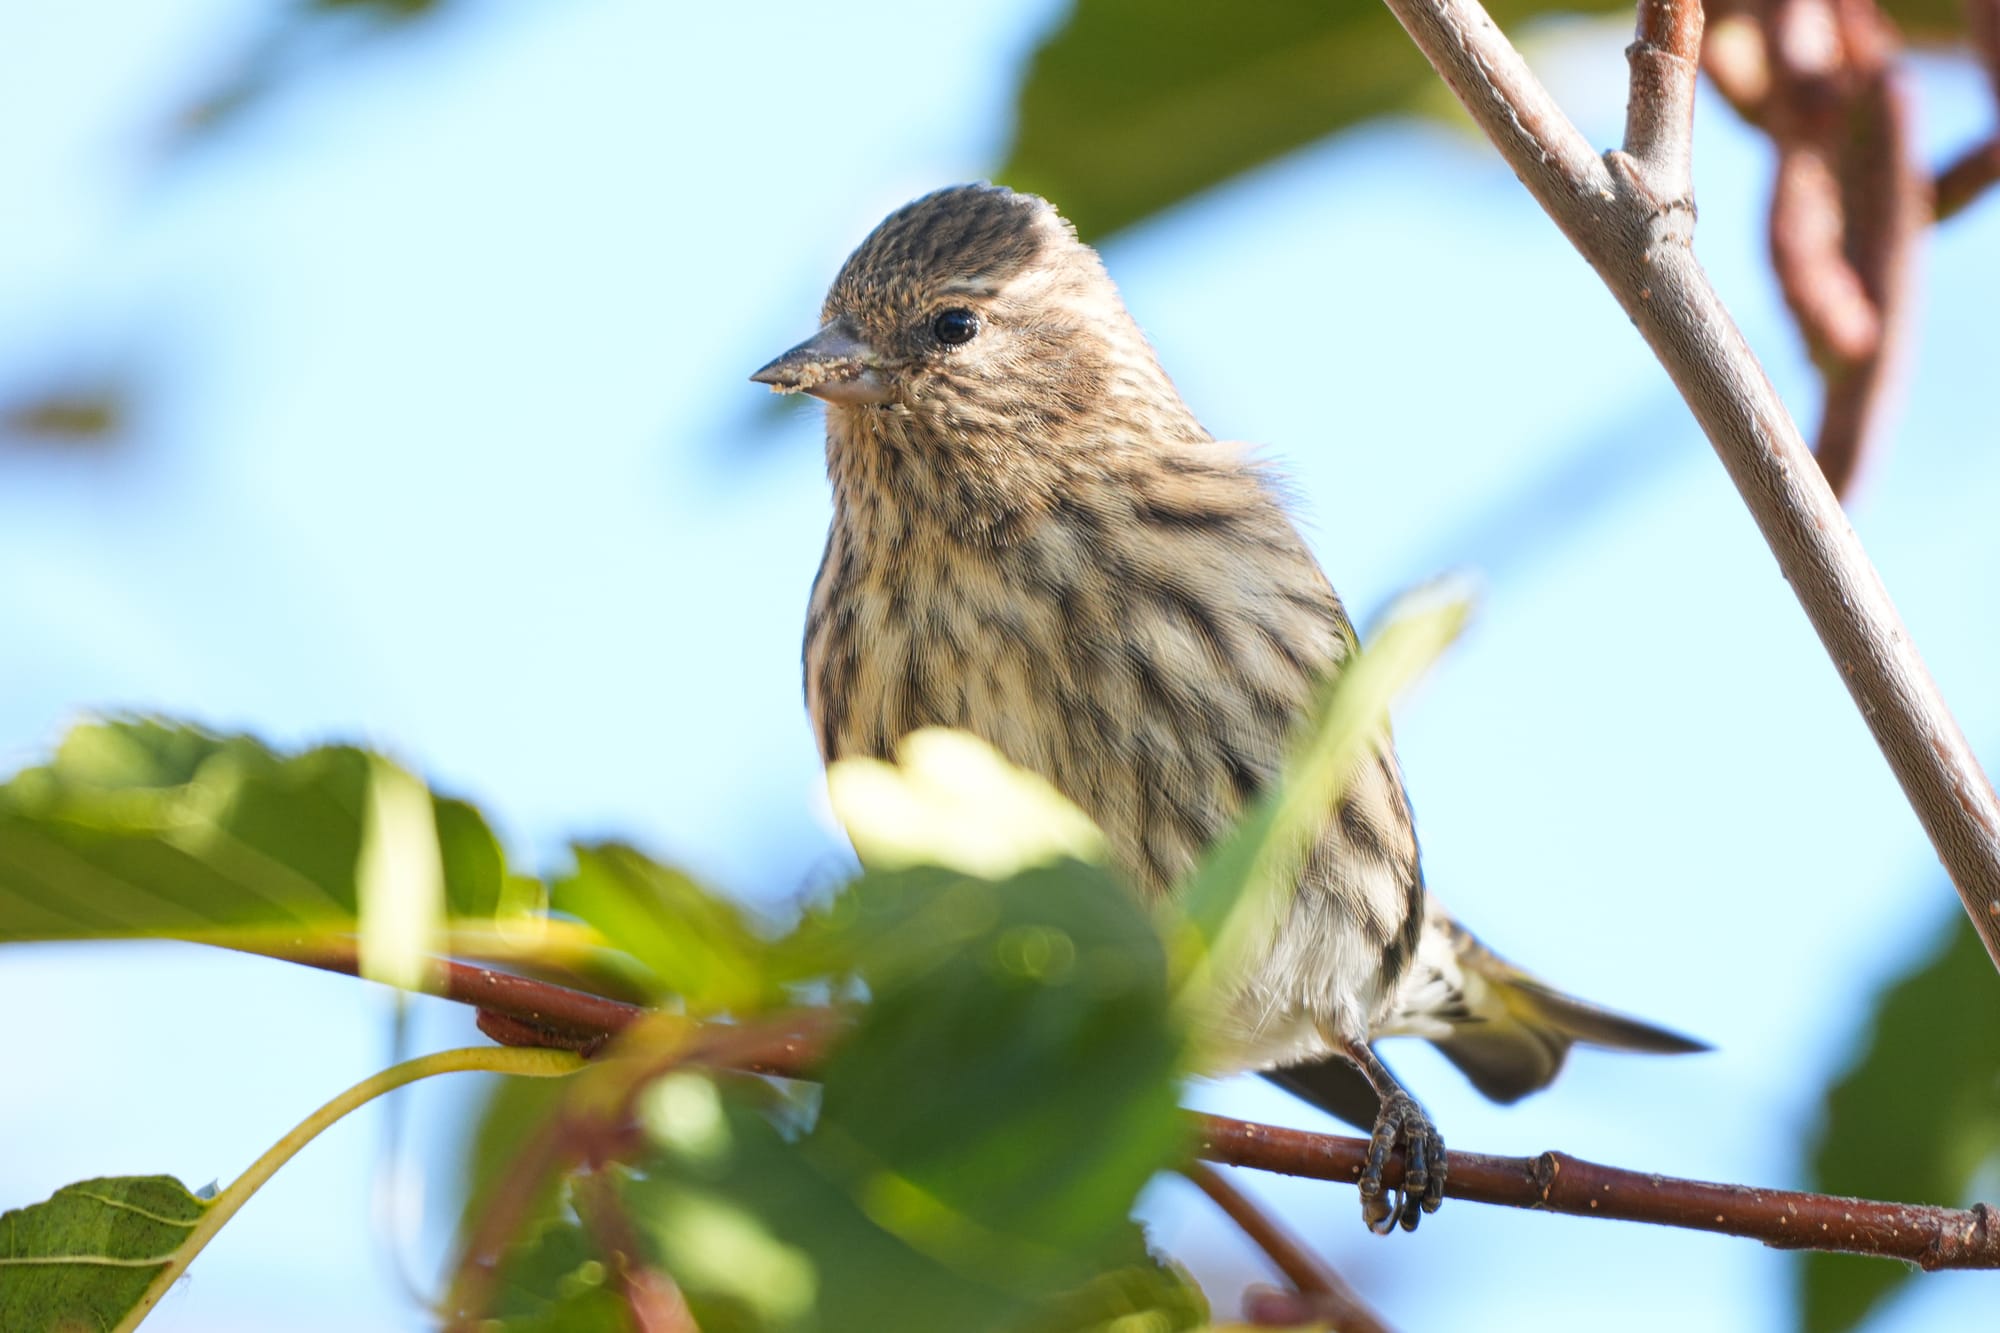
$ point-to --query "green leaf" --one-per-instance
(982, 1133)
(1047, 1039)
(776, 1237)
(1131, 106)
(1929, 22)
(1236, 896)
(295, 41)
(146, 828)
(1915, 1119)
(83, 1259)
(698, 947)
(556, 1282)
(950, 799)
(399, 878)
(514, 1108)
(87, 412)
(1138, 1292)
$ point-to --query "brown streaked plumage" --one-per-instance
(1035, 541)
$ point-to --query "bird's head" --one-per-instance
(973, 313)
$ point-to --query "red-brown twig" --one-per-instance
(791, 1045)
(1632, 218)
(558, 1011)
(1975, 170)
(1971, 175)
(1982, 29)
(1326, 1297)
(596, 1125)
(1554, 1182)
(651, 1298)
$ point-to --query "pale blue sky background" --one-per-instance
(451, 450)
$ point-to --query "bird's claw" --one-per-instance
(1402, 1124)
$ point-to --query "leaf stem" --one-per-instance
(529, 1063)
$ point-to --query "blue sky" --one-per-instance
(451, 450)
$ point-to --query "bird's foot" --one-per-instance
(1402, 1124)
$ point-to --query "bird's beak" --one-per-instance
(832, 364)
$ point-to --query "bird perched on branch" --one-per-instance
(1035, 541)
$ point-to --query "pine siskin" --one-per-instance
(1034, 540)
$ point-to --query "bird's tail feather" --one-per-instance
(1517, 1045)
(1512, 1031)
(1507, 1031)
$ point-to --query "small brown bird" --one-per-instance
(1035, 541)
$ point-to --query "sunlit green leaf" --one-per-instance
(142, 828)
(699, 947)
(982, 1130)
(399, 878)
(1914, 1120)
(83, 1258)
(1245, 883)
(1046, 1038)
(951, 800)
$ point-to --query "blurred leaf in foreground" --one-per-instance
(142, 828)
(1240, 893)
(982, 1132)
(399, 879)
(698, 947)
(1917, 1117)
(557, 1281)
(78, 416)
(295, 41)
(83, 1258)
(1130, 107)
(951, 800)
(512, 1110)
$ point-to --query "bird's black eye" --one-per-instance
(955, 326)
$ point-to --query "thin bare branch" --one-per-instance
(1558, 1183)
(1979, 166)
(1326, 1297)
(1982, 28)
(1971, 175)
(557, 1011)
(1638, 240)
(1975, 170)
(1659, 116)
